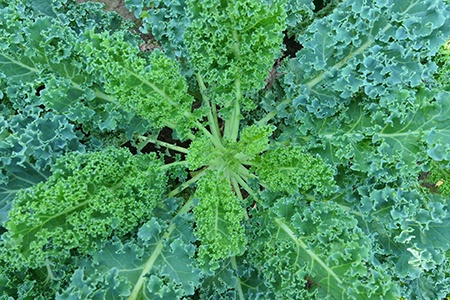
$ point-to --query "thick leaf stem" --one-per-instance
(238, 282)
(236, 188)
(186, 184)
(149, 139)
(156, 252)
(217, 143)
(244, 172)
(313, 255)
(244, 185)
(212, 113)
(175, 163)
(232, 124)
(266, 118)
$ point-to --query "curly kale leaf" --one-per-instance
(154, 89)
(299, 16)
(378, 48)
(254, 140)
(316, 251)
(201, 153)
(289, 169)
(42, 63)
(387, 146)
(410, 228)
(30, 142)
(167, 21)
(158, 264)
(31, 139)
(218, 215)
(233, 44)
(88, 198)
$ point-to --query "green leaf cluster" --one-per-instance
(153, 88)
(268, 150)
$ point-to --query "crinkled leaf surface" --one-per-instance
(289, 169)
(46, 57)
(374, 47)
(153, 89)
(159, 264)
(218, 215)
(225, 38)
(88, 198)
(330, 204)
(370, 143)
(317, 251)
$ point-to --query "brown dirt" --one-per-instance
(115, 5)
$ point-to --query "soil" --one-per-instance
(115, 5)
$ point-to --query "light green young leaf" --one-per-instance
(201, 153)
(154, 89)
(289, 169)
(254, 140)
(218, 215)
(89, 197)
(234, 41)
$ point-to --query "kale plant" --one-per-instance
(271, 149)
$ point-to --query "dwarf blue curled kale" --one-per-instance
(253, 140)
(201, 153)
(281, 150)
(88, 198)
(299, 15)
